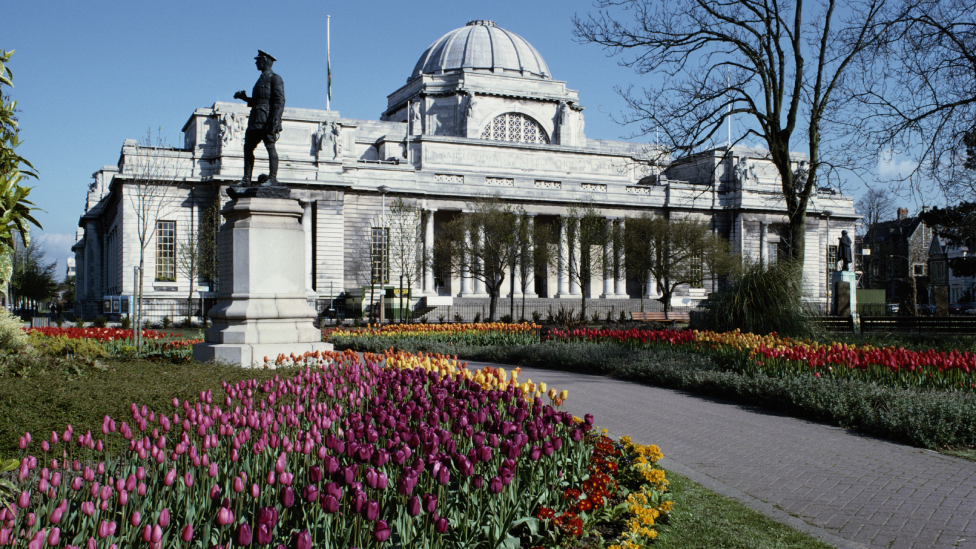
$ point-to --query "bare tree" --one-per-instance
(777, 64)
(479, 243)
(529, 252)
(586, 237)
(876, 205)
(152, 173)
(407, 257)
(367, 261)
(918, 94)
(678, 251)
(197, 252)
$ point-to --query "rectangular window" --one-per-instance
(696, 270)
(166, 251)
(831, 259)
(919, 269)
(380, 255)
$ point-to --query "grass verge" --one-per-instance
(707, 520)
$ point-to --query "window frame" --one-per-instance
(165, 251)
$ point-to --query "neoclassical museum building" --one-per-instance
(480, 113)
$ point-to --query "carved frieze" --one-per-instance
(541, 184)
(500, 181)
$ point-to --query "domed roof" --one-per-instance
(481, 45)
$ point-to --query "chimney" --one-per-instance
(902, 213)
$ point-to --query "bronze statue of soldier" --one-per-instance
(267, 104)
(845, 252)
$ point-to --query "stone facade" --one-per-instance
(483, 118)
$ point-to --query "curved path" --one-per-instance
(847, 489)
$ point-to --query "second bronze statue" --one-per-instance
(267, 104)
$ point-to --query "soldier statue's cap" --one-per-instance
(267, 55)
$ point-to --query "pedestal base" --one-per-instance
(843, 302)
(253, 355)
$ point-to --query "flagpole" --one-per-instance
(328, 55)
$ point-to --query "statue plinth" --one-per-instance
(844, 284)
(261, 308)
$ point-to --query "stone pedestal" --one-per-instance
(261, 308)
(845, 293)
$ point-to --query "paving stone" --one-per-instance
(862, 490)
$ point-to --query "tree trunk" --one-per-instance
(492, 303)
(400, 313)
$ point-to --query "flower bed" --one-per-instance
(494, 333)
(421, 452)
(109, 342)
(776, 356)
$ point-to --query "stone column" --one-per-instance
(763, 252)
(429, 288)
(651, 291)
(608, 256)
(308, 230)
(465, 275)
(479, 283)
(621, 271)
(530, 272)
(574, 261)
(563, 264)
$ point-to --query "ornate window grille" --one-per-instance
(380, 252)
(166, 251)
(696, 270)
(517, 127)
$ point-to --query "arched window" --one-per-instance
(513, 126)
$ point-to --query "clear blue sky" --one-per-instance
(89, 75)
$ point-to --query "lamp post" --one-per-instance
(383, 189)
(827, 214)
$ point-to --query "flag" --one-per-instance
(329, 69)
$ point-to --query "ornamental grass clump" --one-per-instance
(761, 299)
(344, 454)
(12, 336)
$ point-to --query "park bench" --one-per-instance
(836, 324)
(673, 317)
(950, 325)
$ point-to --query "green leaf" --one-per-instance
(511, 542)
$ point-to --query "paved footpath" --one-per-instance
(849, 490)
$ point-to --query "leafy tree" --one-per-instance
(67, 290)
(15, 208)
(479, 244)
(775, 65)
(33, 278)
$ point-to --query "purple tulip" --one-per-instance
(268, 515)
(495, 485)
(407, 483)
(358, 500)
(242, 536)
(263, 534)
(576, 435)
(314, 474)
(430, 503)
(440, 525)
(310, 493)
(479, 482)
(413, 506)
(371, 511)
(334, 490)
(382, 531)
(301, 540)
(329, 503)
(535, 453)
(287, 496)
(588, 419)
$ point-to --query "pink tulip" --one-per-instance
(188, 479)
(170, 477)
(187, 533)
(54, 537)
(135, 519)
(56, 515)
(24, 500)
(164, 518)
(103, 529)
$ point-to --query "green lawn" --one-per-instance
(706, 520)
